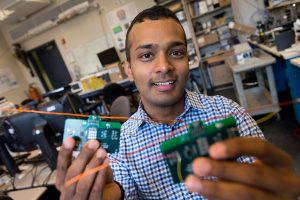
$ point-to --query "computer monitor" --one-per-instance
(28, 131)
(108, 56)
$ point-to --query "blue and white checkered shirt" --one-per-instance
(139, 166)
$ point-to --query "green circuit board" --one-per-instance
(179, 152)
(107, 133)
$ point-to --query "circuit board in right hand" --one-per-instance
(180, 151)
(107, 133)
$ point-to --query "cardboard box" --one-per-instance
(175, 7)
(220, 75)
(220, 21)
(203, 7)
(208, 39)
(116, 72)
(224, 2)
(241, 27)
(219, 56)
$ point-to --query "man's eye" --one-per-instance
(146, 56)
(178, 53)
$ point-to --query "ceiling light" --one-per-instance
(5, 13)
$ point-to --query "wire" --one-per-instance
(33, 173)
(47, 179)
(266, 118)
(12, 182)
(179, 174)
(87, 173)
(39, 173)
(83, 115)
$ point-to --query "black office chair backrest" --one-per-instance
(73, 103)
(111, 92)
(120, 107)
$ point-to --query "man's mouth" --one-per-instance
(164, 86)
(165, 83)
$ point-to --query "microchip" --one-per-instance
(107, 133)
(179, 152)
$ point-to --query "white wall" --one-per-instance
(7, 60)
(77, 32)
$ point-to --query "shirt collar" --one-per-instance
(192, 100)
(195, 100)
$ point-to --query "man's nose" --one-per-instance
(163, 64)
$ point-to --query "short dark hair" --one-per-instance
(153, 13)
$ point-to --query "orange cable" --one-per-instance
(87, 173)
(79, 115)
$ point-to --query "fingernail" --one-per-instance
(100, 154)
(217, 150)
(201, 167)
(192, 184)
(69, 143)
(93, 144)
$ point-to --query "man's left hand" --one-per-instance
(272, 177)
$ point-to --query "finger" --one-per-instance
(226, 190)
(260, 176)
(64, 161)
(85, 184)
(109, 176)
(79, 165)
(100, 182)
(265, 151)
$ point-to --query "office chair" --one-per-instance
(116, 101)
(120, 107)
(74, 104)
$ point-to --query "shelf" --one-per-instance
(259, 101)
(283, 4)
(219, 56)
(211, 12)
(206, 45)
(210, 29)
(165, 3)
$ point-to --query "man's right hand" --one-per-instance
(95, 186)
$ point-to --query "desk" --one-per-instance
(254, 98)
(282, 65)
(294, 85)
(30, 183)
(29, 194)
(32, 176)
(287, 54)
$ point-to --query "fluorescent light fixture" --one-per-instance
(41, 1)
(5, 13)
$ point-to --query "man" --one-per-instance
(158, 63)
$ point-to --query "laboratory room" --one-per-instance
(149, 99)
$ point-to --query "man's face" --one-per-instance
(159, 62)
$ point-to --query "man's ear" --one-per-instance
(127, 68)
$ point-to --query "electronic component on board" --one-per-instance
(179, 152)
(107, 133)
